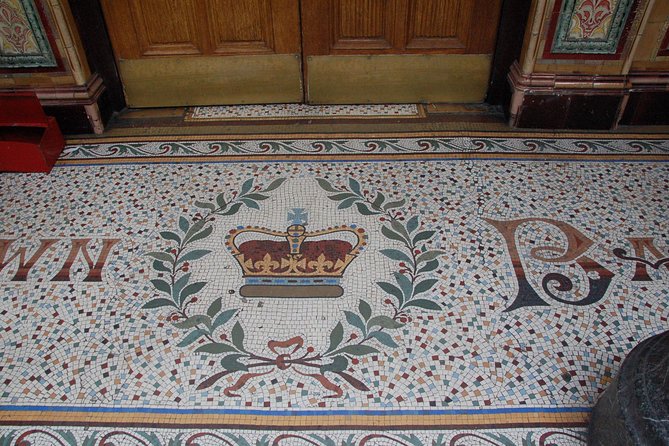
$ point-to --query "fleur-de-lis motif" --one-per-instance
(266, 265)
(591, 15)
(294, 264)
(321, 265)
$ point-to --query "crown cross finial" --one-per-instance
(298, 216)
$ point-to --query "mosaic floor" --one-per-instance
(414, 291)
(302, 111)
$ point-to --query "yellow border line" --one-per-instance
(325, 136)
(302, 421)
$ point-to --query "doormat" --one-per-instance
(159, 293)
(302, 111)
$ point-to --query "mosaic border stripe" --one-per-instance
(243, 149)
(157, 437)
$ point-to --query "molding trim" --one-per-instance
(565, 83)
(648, 81)
(76, 107)
(65, 95)
(568, 90)
(587, 84)
(567, 94)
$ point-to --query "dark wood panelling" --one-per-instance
(440, 31)
(514, 16)
(201, 38)
(72, 119)
(647, 108)
(565, 111)
(95, 39)
(482, 29)
(593, 112)
(543, 111)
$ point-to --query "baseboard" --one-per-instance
(77, 108)
(587, 102)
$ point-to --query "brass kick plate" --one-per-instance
(212, 80)
(398, 78)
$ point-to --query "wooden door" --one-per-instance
(198, 52)
(358, 51)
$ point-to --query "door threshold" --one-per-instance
(179, 121)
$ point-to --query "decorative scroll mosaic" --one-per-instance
(591, 26)
(373, 146)
(321, 302)
(235, 437)
(23, 38)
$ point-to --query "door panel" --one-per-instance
(250, 31)
(185, 52)
(350, 33)
(362, 24)
(158, 35)
(438, 25)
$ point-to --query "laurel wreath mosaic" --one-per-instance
(384, 289)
